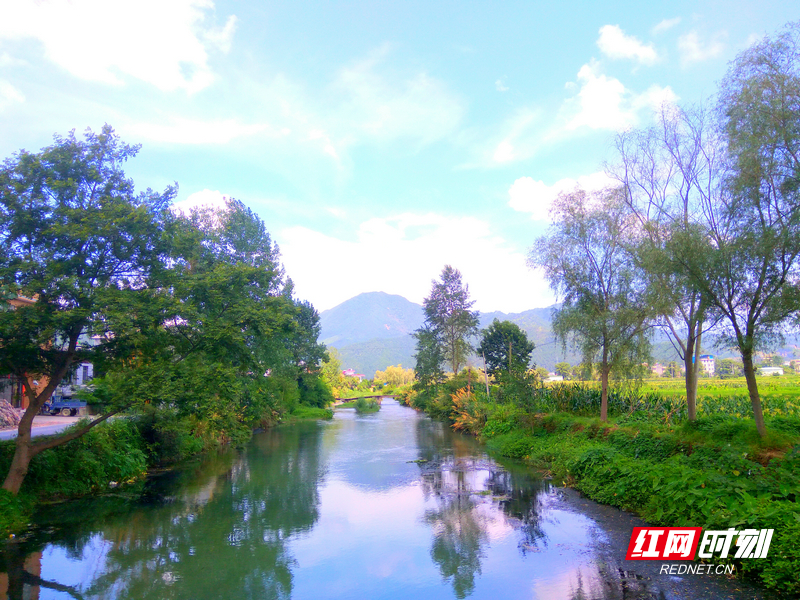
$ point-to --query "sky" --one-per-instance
(378, 141)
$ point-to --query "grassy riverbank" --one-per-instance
(713, 473)
(117, 455)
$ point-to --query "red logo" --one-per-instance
(663, 543)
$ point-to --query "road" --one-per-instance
(42, 425)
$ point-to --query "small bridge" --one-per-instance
(376, 397)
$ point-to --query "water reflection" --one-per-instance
(474, 496)
(390, 506)
(221, 535)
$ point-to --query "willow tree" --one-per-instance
(670, 172)
(605, 304)
(748, 265)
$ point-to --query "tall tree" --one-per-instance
(429, 368)
(748, 259)
(77, 239)
(506, 347)
(448, 314)
(669, 172)
(586, 258)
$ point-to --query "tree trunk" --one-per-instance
(691, 362)
(604, 387)
(752, 388)
(19, 464)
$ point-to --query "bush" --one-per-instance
(363, 405)
(110, 452)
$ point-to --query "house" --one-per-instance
(658, 369)
(11, 386)
(707, 363)
(352, 373)
(770, 370)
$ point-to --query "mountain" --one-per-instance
(369, 316)
(373, 330)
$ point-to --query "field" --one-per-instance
(665, 399)
(780, 396)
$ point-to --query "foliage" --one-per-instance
(505, 347)
(394, 376)
(308, 412)
(605, 305)
(364, 405)
(448, 318)
(189, 314)
(429, 369)
(564, 369)
(110, 454)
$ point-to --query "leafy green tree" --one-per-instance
(745, 258)
(542, 373)
(448, 314)
(506, 347)
(727, 367)
(76, 238)
(668, 171)
(186, 311)
(564, 369)
(429, 369)
(605, 300)
(394, 376)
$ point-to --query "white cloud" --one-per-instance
(162, 43)
(500, 86)
(654, 97)
(504, 152)
(206, 199)
(665, 25)
(600, 101)
(402, 254)
(604, 103)
(9, 95)
(693, 49)
(615, 44)
(529, 195)
(386, 107)
(186, 131)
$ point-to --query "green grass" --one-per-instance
(714, 473)
(305, 413)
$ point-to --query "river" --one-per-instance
(389, 505)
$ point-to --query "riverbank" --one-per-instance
(713, 473)
(114, 456)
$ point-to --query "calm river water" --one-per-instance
(388, 505)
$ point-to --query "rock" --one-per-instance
(9, 417)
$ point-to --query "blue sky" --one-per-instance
(378, 141)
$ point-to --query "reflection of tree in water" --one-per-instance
(459, 475)
(521, 495)
(458, 529)
(223, 533)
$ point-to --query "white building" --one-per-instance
(707, 364)
(770, 370)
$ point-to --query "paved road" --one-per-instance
(42, 425)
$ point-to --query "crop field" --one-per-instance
(780, 397)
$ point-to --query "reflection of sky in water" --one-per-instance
(390, 505)
(379, 514)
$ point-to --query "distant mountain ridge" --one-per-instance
(370, 316)
(373, 330)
